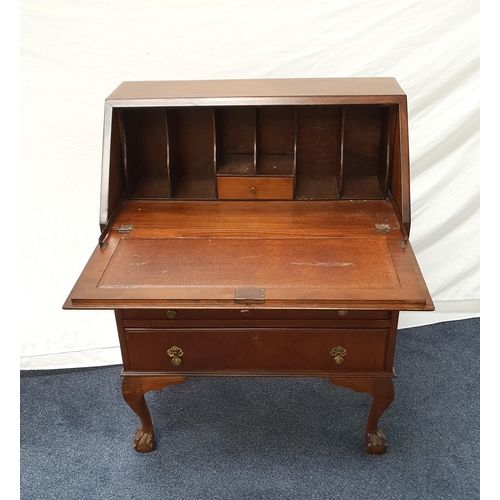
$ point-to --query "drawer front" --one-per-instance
(177, 316)
(255, 188)
(258, 350)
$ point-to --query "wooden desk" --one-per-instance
(255, 228)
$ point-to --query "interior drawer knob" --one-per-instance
(342, 313)
(338, 354)
(171, 314)
(175, 353)
(253, 189)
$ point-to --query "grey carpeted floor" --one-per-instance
(221, 438)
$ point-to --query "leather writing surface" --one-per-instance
(319, 263)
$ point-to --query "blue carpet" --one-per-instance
(223, 438)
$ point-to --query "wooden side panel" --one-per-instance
(117, 183)
(399, 181)
(386, 146)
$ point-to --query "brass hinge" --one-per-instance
(125, 228)
(250, 294)
(382, 228)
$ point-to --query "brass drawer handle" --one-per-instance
(338, 354)
(342, 313)
(171, 314)
(175, 353)
(253, 189)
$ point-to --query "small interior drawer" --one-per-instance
(255, 188)
(256, 350)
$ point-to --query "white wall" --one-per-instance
(74, 53)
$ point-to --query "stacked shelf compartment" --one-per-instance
(365, 152)
(276, 141)
(235, 141)
(255, 152)
(319, 152)
(313, 152)
(192, 152)
(144, 136)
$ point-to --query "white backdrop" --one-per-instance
(73, 54)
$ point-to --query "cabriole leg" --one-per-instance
(382, 390)
(383, 394)
(133, 390)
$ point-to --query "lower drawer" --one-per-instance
(279, 350)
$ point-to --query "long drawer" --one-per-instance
(254, 318)
(259, 350)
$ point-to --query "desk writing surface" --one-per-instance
(300, 257)
(250, 262)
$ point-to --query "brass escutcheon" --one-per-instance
(342, 312)
(171, 314)
(338, 354)
(175, 353)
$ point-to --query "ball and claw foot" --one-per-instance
(133, 390)
(143, 441)
(375, 443)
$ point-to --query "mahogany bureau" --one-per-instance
(255, 228)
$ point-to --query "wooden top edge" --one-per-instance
(282, 87)
(354, 305)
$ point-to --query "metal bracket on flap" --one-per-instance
(250, 294)
(125, 228)
(382, 228)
